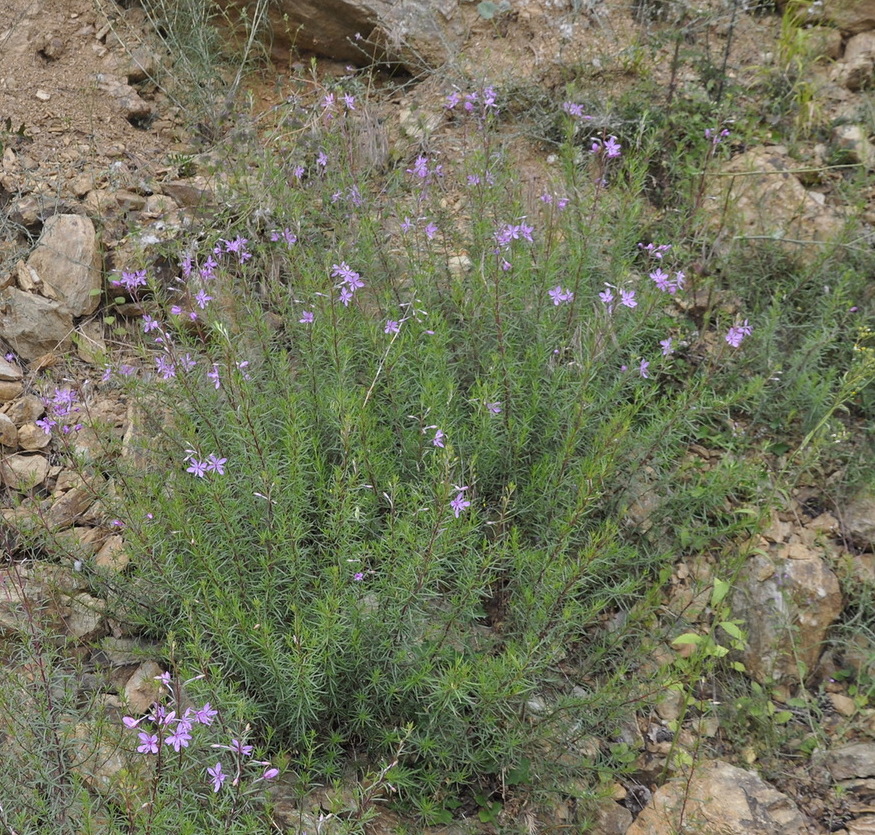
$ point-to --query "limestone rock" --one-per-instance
(787, 606)
(719, 800)
(765, 200)
(132, 106)
(33, 326)
(851, 15)
(8, 432)
(67, 259)
(415, 33)
(113, 556)
(857, 760)
(70, 507)
(854, 141)
(10, 371)
(26, 410)
(859, 519)
(85, 619)
(9, 391)
(143, 688)
(23, 472)
(32, 438)
(101, 763)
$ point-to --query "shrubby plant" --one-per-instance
(412, 480)
(393, 498)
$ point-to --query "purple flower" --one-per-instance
(148, 743)
(269, 774)
(217, 776)
(240, 748)
(430, 231)
(306, 317)
(130, 281)
(206, 714)
(298, 172)
(407, 225)
(737, 333)
(392, 326)
(660, 278)
(197, 468)
(459, 504)
(438, 439)
(575, 110)
(349, 101)
(214, 376)
(166, 369)
(347, 275)
(627, 298)
(46, 424)
(612, 147)
(287, 235)
(322, 160)
(494, 407)
(179, 737)
(608, 298)
(666, 346)
(130, 722)
(453, 99)
(358, 576)
(202, 299)
(420, 168)
(560, 296)
(328, 101)
(642, 369)
(473, 179)
(345, 296)
(149, 324)
(214, 464)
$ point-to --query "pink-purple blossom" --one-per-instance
(737, 333)
(217, 776)
(148, 743)
(459, 504)
(560, 295)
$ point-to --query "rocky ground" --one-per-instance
(91, 141)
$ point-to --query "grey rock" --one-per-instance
(67, 259)
(9, 371)
(32, 438)
(23, 472)
(132, 106)
(849, 761)
(32, 325)
(415, 33)
(767, 201)
(26, 410)
(8, 432)
(850, 15)
(720, 799)
(854, 141)
(859, 519)
(787, 606)
(142, 688)
(85, 619)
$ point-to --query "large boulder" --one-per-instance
(850, 15)
(787, 606)
(415, 33)
(67, 259)
(757, 196)
(720, 799)
(32, 325)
